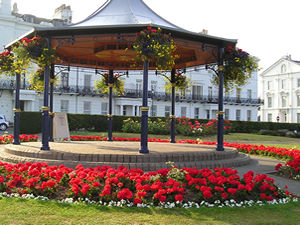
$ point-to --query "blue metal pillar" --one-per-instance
(220, 113)
(51, 103)
(17, 111)
(145, 109)
(173, 129)
(45, 108)
(109, 116)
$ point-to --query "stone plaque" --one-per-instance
(61, 126)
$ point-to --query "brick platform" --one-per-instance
(92, 154)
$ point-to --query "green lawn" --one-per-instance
(266, 140)
(19, 211)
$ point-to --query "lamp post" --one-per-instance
(51, 103)
(17, 111)
(145, 109)
(220, 113)
(109, 116)
(173, 107)
(45, 108)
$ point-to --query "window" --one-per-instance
(214, 114)
(298, 82)
(226, 114)
(197, 92)
(153, 110)
(167, 111)
(124, 110)
(207, 114)
(183, 111)
(65, 79)
(269, 85)
(87, 81)
(269, 117)
(269, 102)
(104, 108)
(298, 100)
(238, 94)
(283, 68)
(210, 92)
(298, 117)
(87, 107)
(196, 114)
(283, 84)
(64, 106)
(249, 115)
(249, 94)
(283, 101)
(238, 114)
(153, 85)
(138, 85)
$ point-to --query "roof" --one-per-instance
(124, 12)
(98, 41)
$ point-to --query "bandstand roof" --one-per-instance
(104, 39)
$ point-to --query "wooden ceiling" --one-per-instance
(114, 51)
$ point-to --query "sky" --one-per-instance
(267, 29)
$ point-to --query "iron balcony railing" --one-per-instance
(133, 93)
(162, 96)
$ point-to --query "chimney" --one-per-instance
(63, 13)
(204, 31)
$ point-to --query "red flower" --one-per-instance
(137, 201)
(232, 191)
(278, 166)
(179, 198)
(207, 194)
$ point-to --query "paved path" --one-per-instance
(263, 165)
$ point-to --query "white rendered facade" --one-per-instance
(281, 91)
(75, 92)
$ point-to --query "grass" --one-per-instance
(267, 140)
(20, 211)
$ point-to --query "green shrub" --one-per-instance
(30, 122)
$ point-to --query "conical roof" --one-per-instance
(104, 39)
(124, 12)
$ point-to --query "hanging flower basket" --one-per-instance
(35, 49)
(103, 84)
(6, 62)
(238, 67)
(182, 82)
(36, 80)
(156, 47)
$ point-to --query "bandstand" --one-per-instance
(103, 41)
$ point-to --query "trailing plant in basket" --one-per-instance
(181, 82)
(103, 84)
(10, 64)
(156, 47)
(238, 67)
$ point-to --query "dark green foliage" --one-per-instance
(31, 123)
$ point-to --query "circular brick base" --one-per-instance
(115, 154)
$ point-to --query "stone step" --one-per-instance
(208, 155)
(239, 160)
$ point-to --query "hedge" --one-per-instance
(31, 123)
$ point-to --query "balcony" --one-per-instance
(162, 96)
(133, 93)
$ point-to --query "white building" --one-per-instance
(75, 92)
(281, 91)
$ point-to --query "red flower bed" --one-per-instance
(107, 184)
(280, 153)
(291, 169)
(7, 139)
